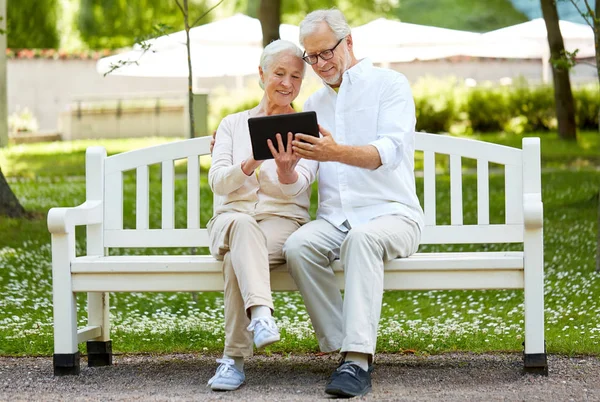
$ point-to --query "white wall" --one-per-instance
(46, 87)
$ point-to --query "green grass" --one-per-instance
(428, 322)
(556, 153)
(468, 15)
(65, 158)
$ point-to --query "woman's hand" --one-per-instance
(250, 165)
(285, 158)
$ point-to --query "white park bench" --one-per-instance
(96, 273)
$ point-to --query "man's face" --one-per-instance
(330, 70)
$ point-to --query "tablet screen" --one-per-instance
(265, 127)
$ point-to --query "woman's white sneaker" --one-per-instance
(265, 331)
(227, 377)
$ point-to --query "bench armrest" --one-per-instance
(533, 211)
(64, 220)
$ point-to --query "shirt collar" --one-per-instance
(361, 67)
(353, 73)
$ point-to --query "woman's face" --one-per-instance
(283, 79)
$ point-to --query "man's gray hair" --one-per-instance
(333, 18)
(275, 49)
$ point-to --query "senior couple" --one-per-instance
(368, 211)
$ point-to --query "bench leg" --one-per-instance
(66, 353)
(99, 350)
(535, 363)
(66, 364)
(535, 359)
(99, 353)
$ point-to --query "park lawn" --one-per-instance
(425, 322)
(55, 160)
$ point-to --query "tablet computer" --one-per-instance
(266, 127)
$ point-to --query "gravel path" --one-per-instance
(449, 377)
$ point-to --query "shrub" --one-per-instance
(434, 116)
(587, 107)
(436, 103)
(244, 105)
(487, 109)
(534, 107)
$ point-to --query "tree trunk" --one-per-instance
(269, 14)
(563, 96)
(9, 204)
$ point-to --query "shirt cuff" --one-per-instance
(293, 189)
(237, 174)
(389, 152)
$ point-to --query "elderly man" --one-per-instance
(368, 212)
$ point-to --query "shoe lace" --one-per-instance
(349, 367)
(225, 369)
(266, 322)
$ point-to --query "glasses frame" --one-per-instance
(322, 55)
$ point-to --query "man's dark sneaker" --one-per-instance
(349, 380)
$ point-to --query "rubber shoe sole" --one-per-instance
(335, 391)
(225, 387)
(268, 341)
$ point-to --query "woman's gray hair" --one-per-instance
(333, 18)
(275, 49)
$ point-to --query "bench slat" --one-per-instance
(207, 263)
(142, 196)
(282, 281)
(472, 234)
(193, 193)
(429, 187)
(467, 148)
(159, 153)
(443, 271)
(483, 193)
(168, 195)
(156, 238)
(456, 198)
(466, 234)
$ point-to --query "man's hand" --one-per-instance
(285, 158)
(323, 149)
(212, 142)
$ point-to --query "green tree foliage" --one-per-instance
(32, 24)
(468, 15)
(116, 23)
(293, 11)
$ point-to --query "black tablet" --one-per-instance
(266, 127)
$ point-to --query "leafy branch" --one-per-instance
(144, 41)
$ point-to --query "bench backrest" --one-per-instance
(104, 177)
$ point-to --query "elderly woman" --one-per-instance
(262, 203)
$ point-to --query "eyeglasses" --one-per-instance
(324, 55)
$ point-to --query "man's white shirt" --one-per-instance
(373, 106)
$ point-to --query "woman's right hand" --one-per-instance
(285, 159)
